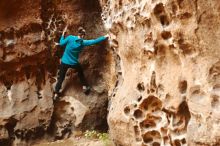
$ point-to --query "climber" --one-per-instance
(74, 45)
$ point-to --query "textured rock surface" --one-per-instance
(68, 112)
(28, 68)
(168, 72)
(163, 83)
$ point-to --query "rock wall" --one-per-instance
(161, 74)
(29, 61)
(167, 59)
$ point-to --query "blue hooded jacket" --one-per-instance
(74, 46)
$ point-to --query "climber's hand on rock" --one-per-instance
(107, 36)
(64, 31)
(56, 44)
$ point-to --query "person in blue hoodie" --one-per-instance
(74, 45)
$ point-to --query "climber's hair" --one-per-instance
(81, 31)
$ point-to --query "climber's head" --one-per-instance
(81, 32)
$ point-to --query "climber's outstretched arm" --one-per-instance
(95, 41)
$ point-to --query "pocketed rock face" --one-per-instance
(167, 64)
(28, 68)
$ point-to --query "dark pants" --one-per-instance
(62, 72)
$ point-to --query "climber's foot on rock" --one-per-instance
(86, 89)
(56, 96)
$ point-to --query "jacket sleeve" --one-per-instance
(93, 42)
(63, 41)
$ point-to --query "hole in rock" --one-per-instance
(177, 122)
(158, 9)
(166, 35)
(39, 95)
(10, 125)
(183, 86)
(140, 86)
(216, 87)
(166, 139)
(177, 142)
(135, 105)
(153, 79)
(8, 84)
(152, 90)
(160, 13)
(156, 144)
(138, 114)
(136, 130)
(151, 136)
(147, 139)
(174, 7)
(160, 49)
(183, 111)
(148, 123)
(186, 48)
(28, 72)
(215, 101)
(163, 130)
(151, 103)
(139, 99)
(183, 141)
(114, 43)
(127, 110)
(164, 20)
(186, 15)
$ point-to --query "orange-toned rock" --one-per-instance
(29, 62)
(167, 59)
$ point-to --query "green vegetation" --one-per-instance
(104, 137)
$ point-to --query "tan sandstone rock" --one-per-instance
(167, 61)
(161, 72)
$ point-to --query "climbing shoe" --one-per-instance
(86, 89)
(56, 96)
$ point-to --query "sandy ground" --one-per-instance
(79, 141)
